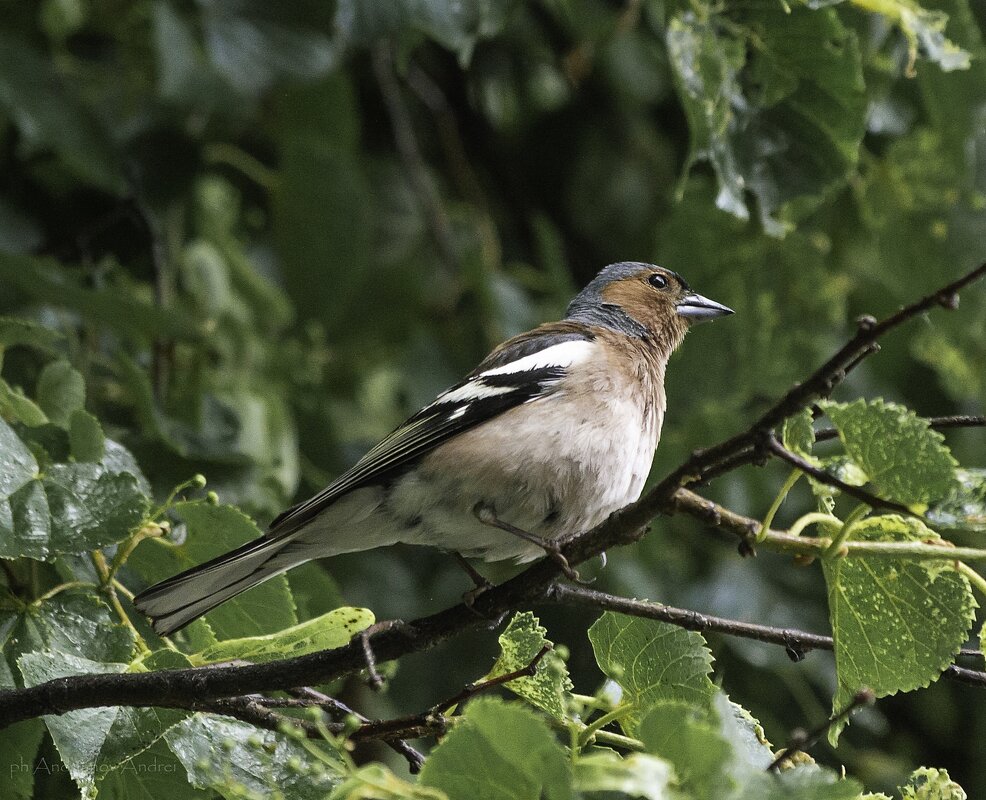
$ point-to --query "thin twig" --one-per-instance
(415, 760)
(797, 643)
(801, 740)
(472, 689)
(819, 384)
(820, 475)
(433, 720)
(688, 502)
(935, 423)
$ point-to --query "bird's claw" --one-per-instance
(555, 554)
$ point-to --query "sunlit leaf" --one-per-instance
(520, 642)
(326, 632)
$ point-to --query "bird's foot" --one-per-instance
(552, 549)
(481, 584)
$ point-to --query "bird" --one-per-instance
(555, 430)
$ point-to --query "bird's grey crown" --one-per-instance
(590, 308)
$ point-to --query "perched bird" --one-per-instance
(550, 434)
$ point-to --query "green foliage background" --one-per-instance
(255, 278)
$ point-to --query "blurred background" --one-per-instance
(274, 230)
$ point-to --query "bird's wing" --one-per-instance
(519, 371)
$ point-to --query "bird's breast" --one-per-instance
(559, 464)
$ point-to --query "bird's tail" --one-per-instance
(175, 602)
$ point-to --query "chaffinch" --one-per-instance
(551, 433)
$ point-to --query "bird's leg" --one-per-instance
(480, 581)
(488, 516)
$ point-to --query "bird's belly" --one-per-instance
(560, 470)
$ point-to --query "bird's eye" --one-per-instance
(658, 281)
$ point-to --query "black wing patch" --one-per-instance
(475, 400)
(527, 345)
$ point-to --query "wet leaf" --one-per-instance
(775, 102)
(236, 760)
(73, 508)
(965, 508)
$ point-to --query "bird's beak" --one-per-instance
(696, 308)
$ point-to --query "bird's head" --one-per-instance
(644, 301)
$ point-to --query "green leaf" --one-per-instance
(17, 331)
(70, 622)
(326, 632)
(50, 117)
(684, 735)
(19, 746)
(323, 220)
(706, 71)
(237, 760)
(456, 25)
(775, 101)
(924, 30)
(78, 735)
(15, 406)
(717, 751)
(253, 43)
(314, 590)
(73, 508)
(61, 390)
(375, 782)
(210, 531)
(965, 508)
(498, 751)
(805, 782)
(635, 775)
(152, 774)
(85, 436)
(651, 661)
(798, 434)
(897, 624)
(520, 642)
(93, 741)
(931, 784)
(118, 308)
(904, 459)
(17, 464)
(752, 752)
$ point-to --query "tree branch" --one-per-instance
(171, 687)
(801, 740)
(820, 475)
(796, 642)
